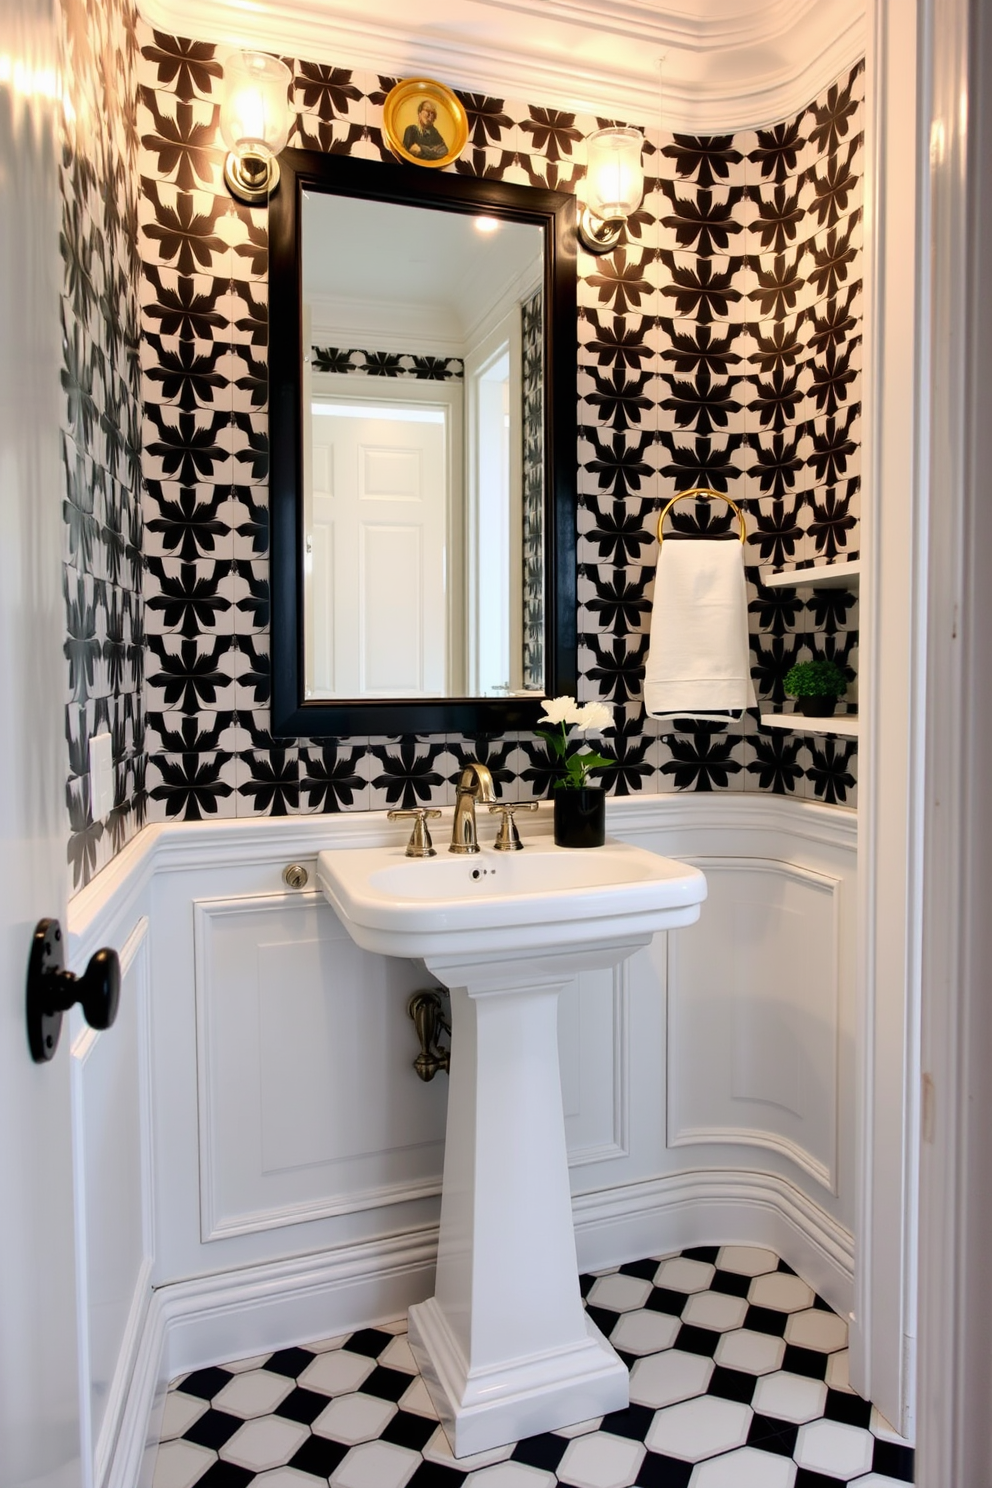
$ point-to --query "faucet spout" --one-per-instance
(474, 784)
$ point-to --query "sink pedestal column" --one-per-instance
(505, 1346)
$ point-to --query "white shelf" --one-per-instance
(842, 723)
(826, 576)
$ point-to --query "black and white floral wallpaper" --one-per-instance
(353, 361)
(720, 345)
(104, 645)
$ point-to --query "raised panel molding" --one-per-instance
(309, 1105)
(594, 1053)
(286, 1136)
(720, 68)
(754, 1016)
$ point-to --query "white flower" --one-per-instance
(595, 716)
(560, 710)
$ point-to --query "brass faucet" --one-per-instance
(474, 783)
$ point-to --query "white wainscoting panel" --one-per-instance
(113, 1199)
(309, 1102)
(753, 1049)
(593, 1034)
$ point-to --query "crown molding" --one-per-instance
(723, 70)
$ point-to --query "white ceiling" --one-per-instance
(700, 66)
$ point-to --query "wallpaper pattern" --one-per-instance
(720, 344)
(101, 462)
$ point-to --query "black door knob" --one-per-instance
(52, 991)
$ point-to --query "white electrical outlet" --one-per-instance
(101, 776)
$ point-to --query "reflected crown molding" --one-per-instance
(728, 66)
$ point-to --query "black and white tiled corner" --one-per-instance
(738, 1379)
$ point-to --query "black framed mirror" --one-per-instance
(422, 406)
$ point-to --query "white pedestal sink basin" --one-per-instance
(504, 1345)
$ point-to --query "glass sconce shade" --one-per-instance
(254, 122)
(614, 185)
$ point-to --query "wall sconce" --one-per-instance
(254, 122)
(614, 186)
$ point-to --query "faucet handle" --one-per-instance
(420, 844)
(508, 838)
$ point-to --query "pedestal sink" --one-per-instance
(504, 1345)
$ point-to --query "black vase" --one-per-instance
(580, 816)
(816, 707)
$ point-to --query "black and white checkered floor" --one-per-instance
(738, 1379)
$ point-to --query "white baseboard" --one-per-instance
(710, 1207)
(231, 1315)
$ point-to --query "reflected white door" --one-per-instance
(39, 1406)
(378, 548)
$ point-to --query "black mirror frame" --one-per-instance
(293, 716)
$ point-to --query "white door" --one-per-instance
(378, 549)
(39, 1407)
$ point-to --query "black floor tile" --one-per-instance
(290, 1362)
(692, 1340)
(541, 1451)
(772, 1435)
(732, 1384)
(663, 1300)
(386, 1384)
(408, 1430)
(213, 1429)
(632, 1423)
(663, 1472)
(301, 1405)
(893, 1460)
(850, 1409)
(808, 1362)
(318, 1456)
(369, 1341)
(206, 1383)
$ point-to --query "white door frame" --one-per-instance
(39, 1378)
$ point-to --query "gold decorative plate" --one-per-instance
(424, 123)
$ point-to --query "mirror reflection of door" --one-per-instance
(384, 481)
(416, 561)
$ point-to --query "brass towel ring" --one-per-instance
(709, 493)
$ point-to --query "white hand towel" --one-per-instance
(698, 656)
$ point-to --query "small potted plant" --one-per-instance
(816, 686)
(580, 804)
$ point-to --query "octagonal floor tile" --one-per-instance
(715, 1310)
(835, 1449)
(754, 1353)
(680, 1274)
(666, 1378)
(354, 1418)
(510, 1475)
(747, 1468)
(790, 1397)
(268, 1441)
(336, 1372)
(179, 1413)
(699, 1428)
(644, 1332)
(256, 1393)
(781, 1291)
(746, 1260)
(619, 1293)
(180, 1464)
(376, 1465)
(601, 1461)
(815, 1329)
